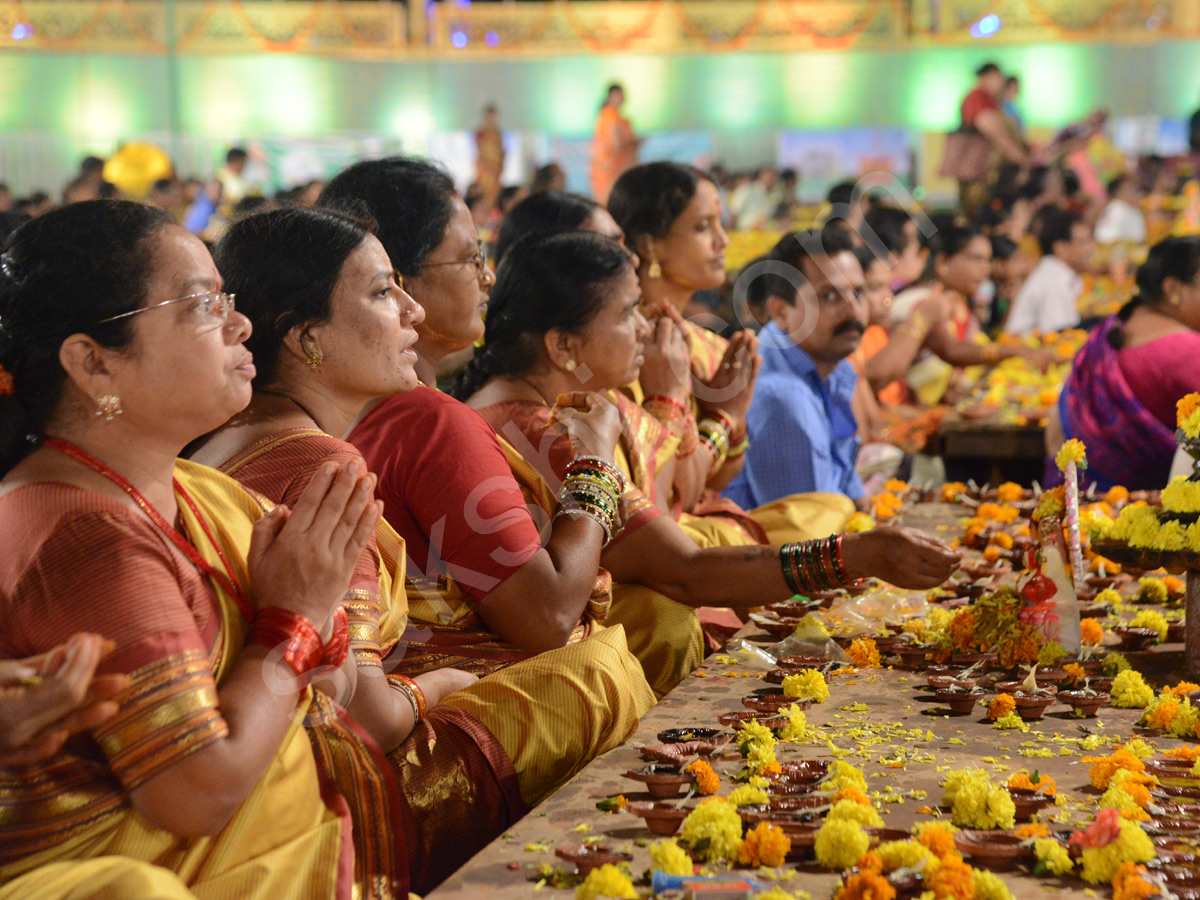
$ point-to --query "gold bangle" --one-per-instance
(991, 353)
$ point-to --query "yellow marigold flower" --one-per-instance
(1148, 618)
(1186, 721)
(865, 884)
(855, 812)
(1009, 492)
(1052, 856)
(989, 886)
(1161, 714)
(844, 774)
(1091, 632)
(1010, 722)
(775, 893)
(753, 732)
(1181, 495)
(606, 881)
(896, 486)
(707, 781)
(978, 804)
(1052, 503)
(747, 795)
(764, 845)
(796, 728)
(667, 856)
(1072, 451)
(864, 654)
(952, 491)
(1075, 672)
(1152, 590)
(1128, 883)
(904, 855)
(1139, 748)
(1109, 596)
(807, 685)
(1130, 691)
(1050, 653)
(1002, 539)
(718, 821)
(1001, 705)
(1123, 802)
(859, 522)
(938, 838)
(1104, 767)
(1100, 864)
(1114, 663)
(840, 843)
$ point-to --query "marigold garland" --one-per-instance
(952, 880)
(1130, 691)
(806, 685)
(864, 654)
(668, 857)
(839, 844)
(989, 886)
(1052, 857)
(1187, 415)
(1072, 451)
(718, 822)
(1128, 883)
(1091, 632)
(1000, 706)
(606, 881)
(707, 781)
(866, 884)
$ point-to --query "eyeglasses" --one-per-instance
(476, 259)
(209, 304)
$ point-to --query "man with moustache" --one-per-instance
(802, 430)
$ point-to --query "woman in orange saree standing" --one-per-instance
(221, 615)
(334, 332)
(614, 145)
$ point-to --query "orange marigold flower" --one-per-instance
(938, 840)
(771, 768)
(1091, 632)
(1128, 883)
(850, 792)
(996, 513)
(707, 781)
(1182, 689)
(1188, 752)
(951, 880)
(1116, 494)
(961, 629)
(1104, 767)
(992, 554)
(1022, 781)
(864, 654)
(1075, 672)
(1163, 715)
(866, 884)
(1173, 585)
(1009, 492)
(1031, 830)
(1001, 706)
(7, 388)
(764, 845)
(1002, 539)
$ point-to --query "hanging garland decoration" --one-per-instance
(140, 30)
(1104, 20)
(196, 30)
(732, 42)
(288, 45)
(845, 38)
(638, 32)
(46, 40)
(351, 31)
(508, 40)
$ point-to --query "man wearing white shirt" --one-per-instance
(1048, 300)
(1122, 219)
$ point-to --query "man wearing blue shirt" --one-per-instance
(803, 435)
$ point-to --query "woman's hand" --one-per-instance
(591, 421)
(441, 683)
(666, 367)
(302, 559)
(905, 557)
(1041, 357)
(732, 386)
(47, 698)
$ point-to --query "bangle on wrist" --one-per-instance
(338, 646)
(275, 628)
(413, 692)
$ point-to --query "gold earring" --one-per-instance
(1176, 300)
(314, 358)
(655, 270)
(109, 406)
(571, 365)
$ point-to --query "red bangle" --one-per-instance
(275, 627)
(422, 706)
(338, 647)
(841, 563)
(661, 398)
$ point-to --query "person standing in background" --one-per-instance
(981, 112)
(614, 145)
(489, 156)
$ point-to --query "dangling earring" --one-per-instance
(571, 365)
(109, 406)
(1176, 300)
(314, 358)
(655, 270)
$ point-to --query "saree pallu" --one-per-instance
(458, 789)
(104, 878)
(1126, 443)
(290, 837)
(663, 634)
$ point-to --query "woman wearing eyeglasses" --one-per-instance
(333, 333)
(483, 590)
(222, 616)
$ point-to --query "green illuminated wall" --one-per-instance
(109, 97)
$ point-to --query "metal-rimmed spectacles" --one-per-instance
(478, 260)
(210, 304)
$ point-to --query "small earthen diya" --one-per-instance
(660, 818)
(1030, 706)
(1028, 802)
(679, 735)
(950, 682)
(661, 780)
(960, 701)
(737, 720)
(1135, 638)
(914, 655)
(996, 850)
(773, 702)
(677, 754)
(591, 856)
(1086, 702)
